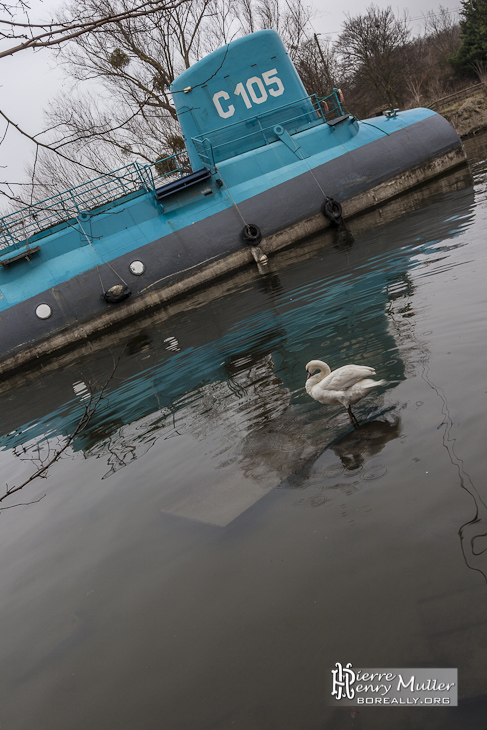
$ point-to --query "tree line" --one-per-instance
(122, 56)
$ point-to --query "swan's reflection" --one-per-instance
(368, 440)
(354, 449)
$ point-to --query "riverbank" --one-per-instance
(467, 115)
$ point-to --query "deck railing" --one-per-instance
(235, 139)
(21, 226)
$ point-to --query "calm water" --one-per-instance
(215, 541)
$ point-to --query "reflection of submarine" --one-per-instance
(340, 310)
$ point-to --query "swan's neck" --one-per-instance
(323, 371)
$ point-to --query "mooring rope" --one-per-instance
(231, 196)
(99, 254)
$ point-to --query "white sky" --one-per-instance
(29, 79)
(332, 15)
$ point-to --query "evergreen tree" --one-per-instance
(472, 54)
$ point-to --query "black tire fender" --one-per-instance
(332, 210)
(251, 234)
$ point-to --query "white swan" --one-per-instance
(344, 386)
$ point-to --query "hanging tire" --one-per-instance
(332, 210)
(251, 234)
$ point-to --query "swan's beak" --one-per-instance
(308, 374)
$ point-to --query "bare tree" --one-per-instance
(443, 32)
(24, 34)
(433, 76)
(290, 18)
(318, 66)
(19, 33)
(127, 112)
(372, 48)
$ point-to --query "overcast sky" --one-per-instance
(332, 15)
(29, 79)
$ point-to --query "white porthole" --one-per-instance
(43, 311)
(137, 268)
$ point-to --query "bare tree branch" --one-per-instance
(55, 34)
(90, 409)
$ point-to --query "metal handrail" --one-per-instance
(258, 131)
(19, 227)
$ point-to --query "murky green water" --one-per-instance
(215, 541)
